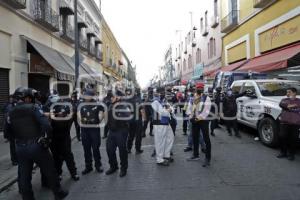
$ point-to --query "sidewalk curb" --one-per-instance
(13, 180)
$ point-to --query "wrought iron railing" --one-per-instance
(83, 44)
(230, 21)
(45, 15)
(68, 33)
(99, 55)
(214, 21)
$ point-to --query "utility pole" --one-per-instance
(76, 46)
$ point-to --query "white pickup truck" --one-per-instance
(260, 108)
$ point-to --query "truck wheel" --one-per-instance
(268, 132)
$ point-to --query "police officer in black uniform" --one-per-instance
(118, 116)
(61, 121)
(135, 124)
(149, 111)
(90, 114)
(32, 132)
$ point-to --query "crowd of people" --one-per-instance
(39, 133)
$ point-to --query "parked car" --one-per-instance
(260, 109)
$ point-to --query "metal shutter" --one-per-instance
(4, 93)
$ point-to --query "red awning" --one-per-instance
(184, 82)
(274, 60)
(211, 72)
(233, 66)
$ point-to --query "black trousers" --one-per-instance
(77, 129)
(91, 141)
(213, 125)
(12, 148)
(135, 133)
(232, 124)
(106, 130)
(145, 125)
(28, 154)
(288, 137)
(185, 121)
(117, 139)
(62, 151)
(203, 127)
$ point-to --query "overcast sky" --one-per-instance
(145, 28)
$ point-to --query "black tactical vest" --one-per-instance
(23, 122)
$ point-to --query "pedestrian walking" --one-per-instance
(32, 132)
(200, 112)
(289, 124)
(90, 114)
(163, 136)
(118, 118)
(149, 113)
(214, 124)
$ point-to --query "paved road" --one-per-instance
(241, 169)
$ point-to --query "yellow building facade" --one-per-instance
(112, 52)
(253, 27)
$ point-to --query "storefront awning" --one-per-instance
(275, 60)
(83, 74)
(233, 66)
(65, 72)
(211, 72)
(95, 73)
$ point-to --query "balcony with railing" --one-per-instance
(66, 7)
(229, 22)
(214, 21)
(262, 3)
(92, 50)
(68, 33)
(204, 31)
(83, 44)
(17, 4)
(45, 15)
(99, 55)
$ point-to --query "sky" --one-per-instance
(146, 28)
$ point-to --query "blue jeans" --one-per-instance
(190, 137)
(91, 141)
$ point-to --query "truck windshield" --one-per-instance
(277, 88)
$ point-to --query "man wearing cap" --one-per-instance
(90, 115)
(163, 136)
(199, 119)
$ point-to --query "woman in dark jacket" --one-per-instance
(289, 124)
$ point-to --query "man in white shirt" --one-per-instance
(199, 119)
(163, 136)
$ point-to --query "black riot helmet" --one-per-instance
(22, 92)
